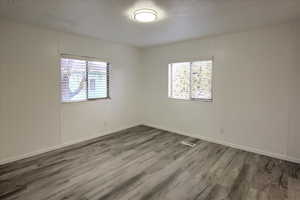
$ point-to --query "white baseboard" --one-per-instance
(213, 140)
(48, 149)
(236, 146)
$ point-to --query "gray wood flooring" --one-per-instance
(144, 163)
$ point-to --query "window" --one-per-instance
(191, 80)
(83, 79)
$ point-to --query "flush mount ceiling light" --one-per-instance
(145, 15)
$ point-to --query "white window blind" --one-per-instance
(191, 80)
(180, 81)
(97, 80)
(83, 79)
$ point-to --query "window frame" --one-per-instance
(170, 80)
(87, 59)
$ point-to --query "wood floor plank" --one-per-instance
(144, 163)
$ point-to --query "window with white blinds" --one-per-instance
(83, 79)
(191, 80)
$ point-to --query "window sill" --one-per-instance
(88, 100)
(192, 100)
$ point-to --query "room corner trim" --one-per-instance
(236, 146)
(66, 144)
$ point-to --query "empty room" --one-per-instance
(149, 100)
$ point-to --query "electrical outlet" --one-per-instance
(104, 124)
(222, 131)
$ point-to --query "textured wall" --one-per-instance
(254, 73)
(32, 119)
(256, 90)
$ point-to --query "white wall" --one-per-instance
(32, 119)
(294, 131)
(88, 119)
(254, 75)
(256, 90)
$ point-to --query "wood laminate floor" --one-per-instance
(144, 163)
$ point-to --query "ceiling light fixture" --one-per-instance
(145, 15)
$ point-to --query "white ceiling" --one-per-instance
(179, 19)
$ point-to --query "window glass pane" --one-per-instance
(180, 80)
(97, 80)
(201, 80)
(73, 80)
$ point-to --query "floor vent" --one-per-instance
(190, 144)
